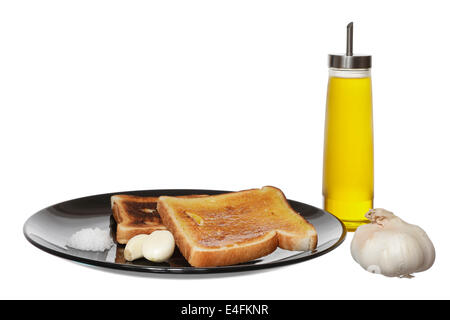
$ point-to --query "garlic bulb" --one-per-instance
(390, 246)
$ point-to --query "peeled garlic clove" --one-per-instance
(390, 246)
(133, 249)
(159, 246)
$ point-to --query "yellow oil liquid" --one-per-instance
(348, 150)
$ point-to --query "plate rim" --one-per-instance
(179, 270)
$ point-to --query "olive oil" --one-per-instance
(348, 147)
(348, 150)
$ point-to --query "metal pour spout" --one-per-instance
(348, 60)
(349, 39)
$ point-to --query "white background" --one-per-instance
(106, 96)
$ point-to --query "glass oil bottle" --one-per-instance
(348, 172)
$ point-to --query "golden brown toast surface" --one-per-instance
(235, 227)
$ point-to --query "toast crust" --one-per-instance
(235, 227)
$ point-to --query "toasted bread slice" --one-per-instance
(235, 227)
(136, 215)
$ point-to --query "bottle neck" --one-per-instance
(349, 73)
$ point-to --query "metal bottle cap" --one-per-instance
(349, 61)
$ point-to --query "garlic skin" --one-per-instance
(390, 246)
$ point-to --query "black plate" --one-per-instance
(50, 228)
